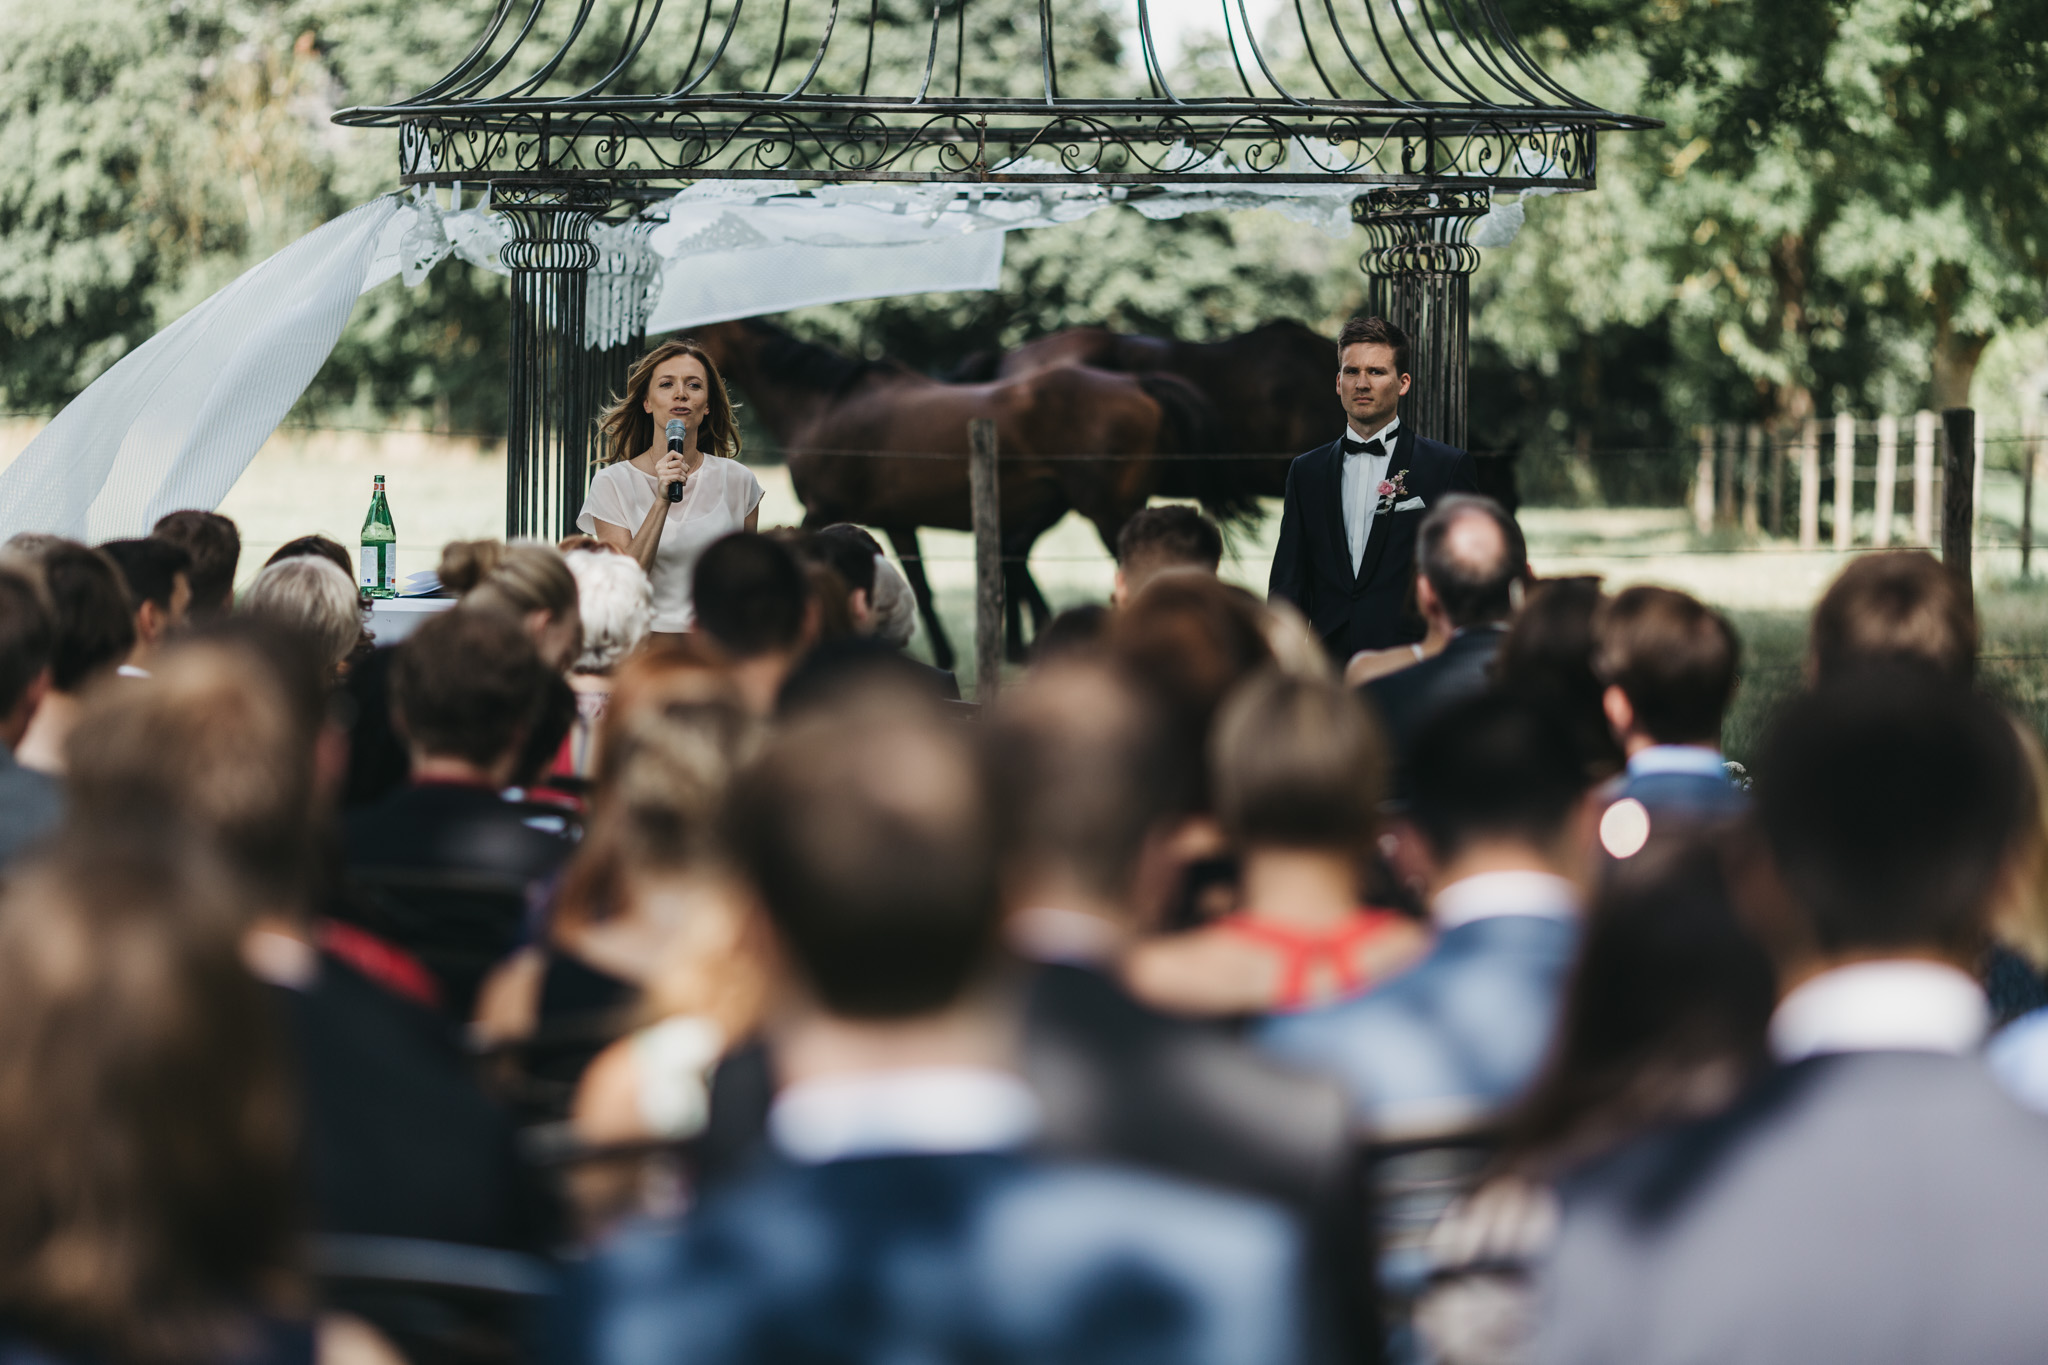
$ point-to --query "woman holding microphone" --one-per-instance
(633, 505)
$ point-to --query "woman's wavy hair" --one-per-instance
(627, 428)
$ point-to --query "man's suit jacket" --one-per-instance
(988, 1257)
(1406, 699)
(1877, 1207)
(1312, 565)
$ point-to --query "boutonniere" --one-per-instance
(1392, 490)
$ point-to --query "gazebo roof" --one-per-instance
(1372, 92)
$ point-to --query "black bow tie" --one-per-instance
(1375, 446)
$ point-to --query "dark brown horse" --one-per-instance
(876, 443)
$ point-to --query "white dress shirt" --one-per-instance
(1890, 1005)
(1360, 487)
(1487, 895)
(914, 1111)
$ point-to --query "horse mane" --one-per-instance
(807, 364)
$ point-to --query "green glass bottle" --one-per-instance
(380, 547)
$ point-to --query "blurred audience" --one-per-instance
(157, 576)
(1298, 772)
(309, 595)
(1874, 1197)
(845, 563)
(215, 549)
(1161, 539)
(1902, 605)
(1547, 658)
(31, 802)
(314, 547)
(94, 632)
(753, 601)
(616, 604)
(901, 1214)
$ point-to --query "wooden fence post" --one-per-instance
(1959, 482)
(1887, 479)
(1977, 484)
(2032, 437)
(1923, 478)
(1703, 483)
(1777, 440)
(1845, 480)
(988, 558)
(1752, 464)
(1724, 501)
(1809, 484)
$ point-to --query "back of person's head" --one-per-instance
(1190, 639)
(314, 547)
(89, 603)
(1169, 537)
(1077, 631)
(1673, 657)
(147, 1199)
(1547, 656)
(1494, 768)
(1297, 763)
(1892, 800)
(216, 549)
(751, 595)
(1897, 606)
(150, 568)
(222, 738)
(1471, 553)
(1665, 1016)
(867, 836)
(617, 604)
(468, 684)
(851, 552)
(1086, 770)
(522, 578)
(27, 636)
(310, 596)
(33, 545)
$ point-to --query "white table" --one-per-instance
(394, 618)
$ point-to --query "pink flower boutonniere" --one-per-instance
(1393, 490)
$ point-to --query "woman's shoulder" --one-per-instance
(618, 471)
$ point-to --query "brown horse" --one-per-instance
(876, 443)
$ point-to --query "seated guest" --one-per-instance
(466, 687)
(1297, 774)
(1547, 658)
(617, 607)
(94, 631)
(215, 547)
(753, 601)
(30, 801)
(1495, 835)
(1873, 1197)
(1158, 539)
(314, 546)
(1075, 632)
(837, 662)
(527, 581)
(159, 591)
(148, 1192)
(901, 1216)
(399, 1141)
(310, 596)
(1669, 664)
(1469, 563)
(1902, 605)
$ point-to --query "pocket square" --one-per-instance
(1414, 504)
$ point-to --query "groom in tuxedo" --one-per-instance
(1347, 529)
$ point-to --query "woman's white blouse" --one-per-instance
(717, 500)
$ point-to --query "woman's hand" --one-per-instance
(670, 467)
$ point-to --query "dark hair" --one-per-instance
(1673, 656)
(1904, 604)
(750, 595)
(468, 684)
(1076, 631)
(147, 1199)
(1172, 534)
(150, 569)
(1494, 766)
(1474, 584)
(1086, 769)
(851, 552)
(26, 636)
(1298, 764)
(216, 549)
(1547, 657)
(1665, 1016)
(1190, 639)
(1891, 798)
(333, 551)
(1363, 331)
(867, 836)
(222, 738)
(89, 602)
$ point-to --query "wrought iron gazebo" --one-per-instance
(566, 110)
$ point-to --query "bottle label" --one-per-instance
(380, 567)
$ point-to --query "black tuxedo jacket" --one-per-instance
(1312, 564)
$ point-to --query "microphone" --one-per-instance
(676, 434)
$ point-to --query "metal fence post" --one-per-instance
(988, 558)
(1958, 477)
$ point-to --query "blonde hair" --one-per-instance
(617, 604)
(310, 595)
(522, 577)
(627, 427)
